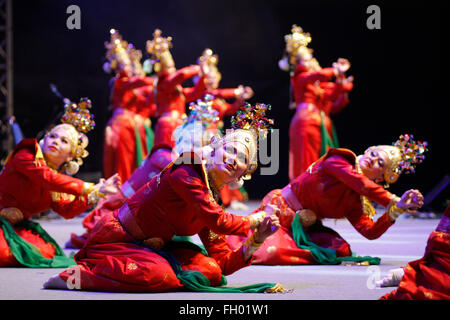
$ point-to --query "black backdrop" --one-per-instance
(398, 79)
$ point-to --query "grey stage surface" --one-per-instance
(403, 242)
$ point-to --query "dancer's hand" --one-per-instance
(411, 201)
(110, 186)
(268, 226)
(341, 66)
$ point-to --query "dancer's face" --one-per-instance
(374, 163)
(57, 148)
(230, 162)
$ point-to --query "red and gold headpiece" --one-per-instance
(158, 48)
(208, 62)
(404, 155)
(296, 46)
(79, 117)
(116, 54)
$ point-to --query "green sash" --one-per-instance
(196, 281)
(320, 254)
(326, 140)
(149, 142)
(28, 254)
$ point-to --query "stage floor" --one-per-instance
(403, 242)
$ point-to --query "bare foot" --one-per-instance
(55, 282)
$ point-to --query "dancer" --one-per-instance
(169, 96)
(128, 134)
(208, 61)
(132, 249)
(311, 129)
(193, 134)
(339, 184)
(32, 181)
(429, 277)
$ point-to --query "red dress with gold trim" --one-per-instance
(132, 104)
(313, 93)
(171, 98)
(429, 277)
(176, 202)
(26, 183)
(333, 188)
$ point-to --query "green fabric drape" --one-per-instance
(150, 137)
(196, 281)
(320, 254)
(326, 140)
(139, 150)
(28, 254)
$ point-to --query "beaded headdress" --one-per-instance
(404, 155)
(135, 57)
(158, 48)
(249, 126)
(82, 120)
(209, 61)
(192, 135)
(117, 55)
(296, 44)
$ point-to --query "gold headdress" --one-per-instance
(296, 45)
(82, 120)
(116, 54)
(158, 48)
(135, 57)
(404, 155)
(249, 126)
(208, 61)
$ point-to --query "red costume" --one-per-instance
(127, 131)
(333, 187)
(158, 159)
(429, 277)
(171, 98)
(26, 183)
(178, 201)
(313, 93)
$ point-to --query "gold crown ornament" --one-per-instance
(79, 117)
(158, 48)
(116, 53)
(296, 46)
(250, 125)
(135, 57)
(404, 155)
(208, 62)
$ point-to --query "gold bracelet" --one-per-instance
(255, 219)
(393, 211)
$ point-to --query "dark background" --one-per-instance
(398, 79)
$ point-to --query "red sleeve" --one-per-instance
(129, 83)
(343, 170)
(181, 75)
(189, 185)
(70, 208)
(228, 93)
(322, 75)
(218, 248)
(365, 224)
(25, 162)
(196, 92)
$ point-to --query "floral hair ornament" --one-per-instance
(296, 44)
(249, 125)
(158, 48)
(117, 55)
(404, 155)
(208, 61)
(192, 135)
(82, 120)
